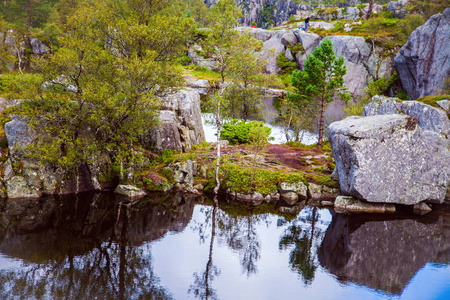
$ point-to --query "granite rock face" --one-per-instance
(428, 117)
(180, 122)
(348, 13)
(422, 63)
(390, 159)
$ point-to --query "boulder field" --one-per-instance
(397, 152)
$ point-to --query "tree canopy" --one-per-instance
(97, 92)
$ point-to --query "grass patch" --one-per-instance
(431, 100)
(202, 73)
(238, 179)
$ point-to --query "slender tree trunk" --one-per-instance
(219, 128)
(321, 122)
(28, 16)
(369, 9)
(209, 264)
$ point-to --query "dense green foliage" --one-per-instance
(321, 81)
(240, 132)
(97, 92)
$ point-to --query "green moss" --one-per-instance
(324, 180)
(239, 179)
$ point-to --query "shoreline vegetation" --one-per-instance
(90, 97)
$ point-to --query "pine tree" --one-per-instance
(321, 80)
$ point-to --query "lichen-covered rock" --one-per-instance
(317, 191)
(356, 53)
(422, 63)
(18, 137)
(129, 191)
(18, 187)
(184, 172)
(346, 204)
(389, 158)
(291, 192)
(398, 8)
(180, 122)
(444, 104)
(195, 53)
(428, 117)
(166, 135)
(272, 48)
(289, 197)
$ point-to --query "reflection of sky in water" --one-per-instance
(178, 256)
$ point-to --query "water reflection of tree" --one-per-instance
(303, 236)
(202, 287)
(111, 270)
(238, 232)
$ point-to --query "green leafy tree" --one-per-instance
(236, 57)
(321, 80)
(27, 13)
(97, 93)
(259, 138)
(295, 120)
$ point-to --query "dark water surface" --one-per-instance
(96, 246)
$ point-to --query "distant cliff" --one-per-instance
(272, 12)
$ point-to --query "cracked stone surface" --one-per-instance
(390, 158)
(423, 63)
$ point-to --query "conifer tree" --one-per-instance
(321, 80)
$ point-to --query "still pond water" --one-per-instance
(96, 246)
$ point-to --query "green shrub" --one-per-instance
(410, 23)
(238, 132)
(402, 95)
(338, 26)
(185, 60)
(296, 48)
(431, 100)
(285, 64)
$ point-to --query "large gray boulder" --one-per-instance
(428, 117)
(272, 48)
(166, 135)
(180, 122)
(423, 62)
(390, 159)
(356, 53)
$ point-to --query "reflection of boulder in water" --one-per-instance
(53, 228)
(149, 222)
(383, 254)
